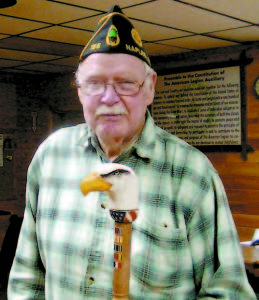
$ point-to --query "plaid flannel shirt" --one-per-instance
(184, 243)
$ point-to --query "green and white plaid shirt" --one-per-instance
(184, 243)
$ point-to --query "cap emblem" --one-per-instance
(112, 37)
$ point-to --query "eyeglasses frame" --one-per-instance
(140, 86)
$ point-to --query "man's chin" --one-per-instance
(107, 132)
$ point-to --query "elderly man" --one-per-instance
(184, 245)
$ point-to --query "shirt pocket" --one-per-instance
(161, 258)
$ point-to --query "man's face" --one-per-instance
(111, 115)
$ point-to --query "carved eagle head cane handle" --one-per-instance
(121, 184)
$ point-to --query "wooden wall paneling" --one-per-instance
(240, 168)
(245, 233)
(244, 195)
(246, 225)
(240, 182)
(247, 220)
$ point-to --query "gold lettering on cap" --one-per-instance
(96, 46)
(137, 50)
(136, 37)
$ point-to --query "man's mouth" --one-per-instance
(108, 112)
(111, 115)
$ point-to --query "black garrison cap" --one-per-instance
(115, 34)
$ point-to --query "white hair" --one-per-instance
(148, 70)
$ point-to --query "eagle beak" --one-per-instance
(94, 182)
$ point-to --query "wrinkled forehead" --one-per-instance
(116, 64)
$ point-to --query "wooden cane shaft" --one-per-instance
(122, 249)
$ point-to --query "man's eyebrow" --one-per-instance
(126, 77)
(93, 77)
(123, 76)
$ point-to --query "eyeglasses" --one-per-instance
(123, 88)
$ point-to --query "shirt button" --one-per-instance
(90, 280)
(103, 205)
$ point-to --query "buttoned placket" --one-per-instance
(96, 255)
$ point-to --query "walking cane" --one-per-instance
(120, 182)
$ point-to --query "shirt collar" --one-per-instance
(85, 136)
(145, 144)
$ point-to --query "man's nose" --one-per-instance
(110, 95)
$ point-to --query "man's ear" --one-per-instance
(151, 87)
(81, 101)
(78, 90)
(79, 95)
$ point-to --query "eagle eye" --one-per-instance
(117, 172)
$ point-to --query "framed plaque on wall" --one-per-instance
(204, 106)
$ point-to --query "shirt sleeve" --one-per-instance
(217, 257)
(26, 279)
